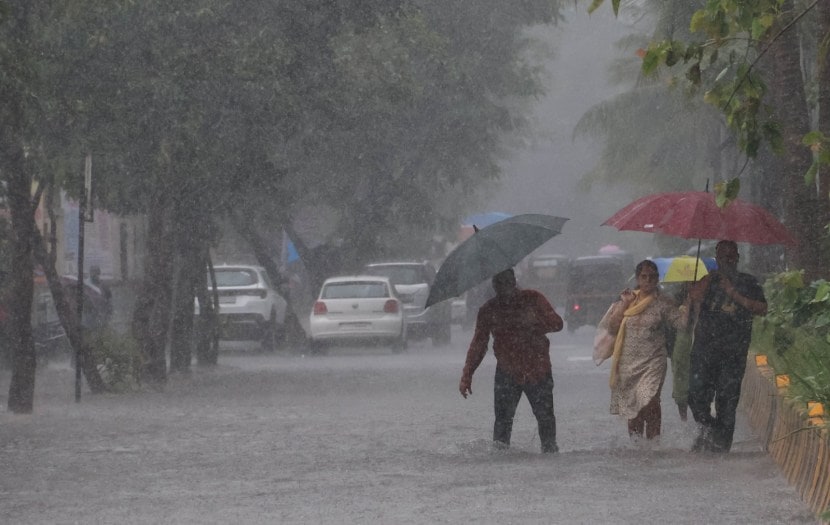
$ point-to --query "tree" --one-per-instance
(747, 43)
(419, 104)
(192, 111)
(26, 114)
(656, 137)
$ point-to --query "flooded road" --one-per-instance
(365, 436)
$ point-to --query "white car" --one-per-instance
(249, 305)
(412, 281)
(357, 308)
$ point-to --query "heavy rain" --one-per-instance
(295, 225)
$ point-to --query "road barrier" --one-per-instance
(794, 433)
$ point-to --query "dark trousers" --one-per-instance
(716, 374)
(507, 394)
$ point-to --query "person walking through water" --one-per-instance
(518, 321)
(642, 319)
(680, 352)
(725, 300)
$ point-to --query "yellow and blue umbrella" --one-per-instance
(682, 268)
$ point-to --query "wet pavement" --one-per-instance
(362, 435)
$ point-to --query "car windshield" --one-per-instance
(354, 290)
(235, 277)
(595, 278)
(398, 274)
(546, 269)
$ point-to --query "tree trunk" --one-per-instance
(67, 313)
(151, 318)
(19, 184)
(766, 191)
(64, 302)
(18, 181)
(189, 275)
(207, 343)
(806, 213)
(823, 71)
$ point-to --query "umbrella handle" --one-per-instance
(697, 259)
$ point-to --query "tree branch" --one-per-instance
(767, 48)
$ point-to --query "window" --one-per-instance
(399, 274)
(238, 277)
(355, 290)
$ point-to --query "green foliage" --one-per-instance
(797, 331)
(736, 34)
(596, 4)
(799, 355)
(118, 358)
(819, 144)
(378, 110)
(654, 136)
(726, 191)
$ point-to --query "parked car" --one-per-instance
(359, 308)
(594, 282)
(249, 305)
(50, 339)
(548, 273)
(412, 282)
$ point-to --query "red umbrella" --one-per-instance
(695, 215)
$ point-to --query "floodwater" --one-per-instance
(365, 436)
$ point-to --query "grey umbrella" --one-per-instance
(491, 250)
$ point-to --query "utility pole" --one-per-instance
(83, 217)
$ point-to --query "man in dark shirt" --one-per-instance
(725, 301)
(518, 321)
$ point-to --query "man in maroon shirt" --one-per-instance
(518, 321)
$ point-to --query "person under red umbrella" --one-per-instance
(518, 321)
(726, 300)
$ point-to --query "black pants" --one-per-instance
(506, 396)
(716, 374)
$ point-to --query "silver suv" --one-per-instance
(412, 282)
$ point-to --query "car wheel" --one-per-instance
(273, 334)
(442, 334)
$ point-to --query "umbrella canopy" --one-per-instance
(491, 250)
(682, 268)
(695, 215)
(479, 220)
